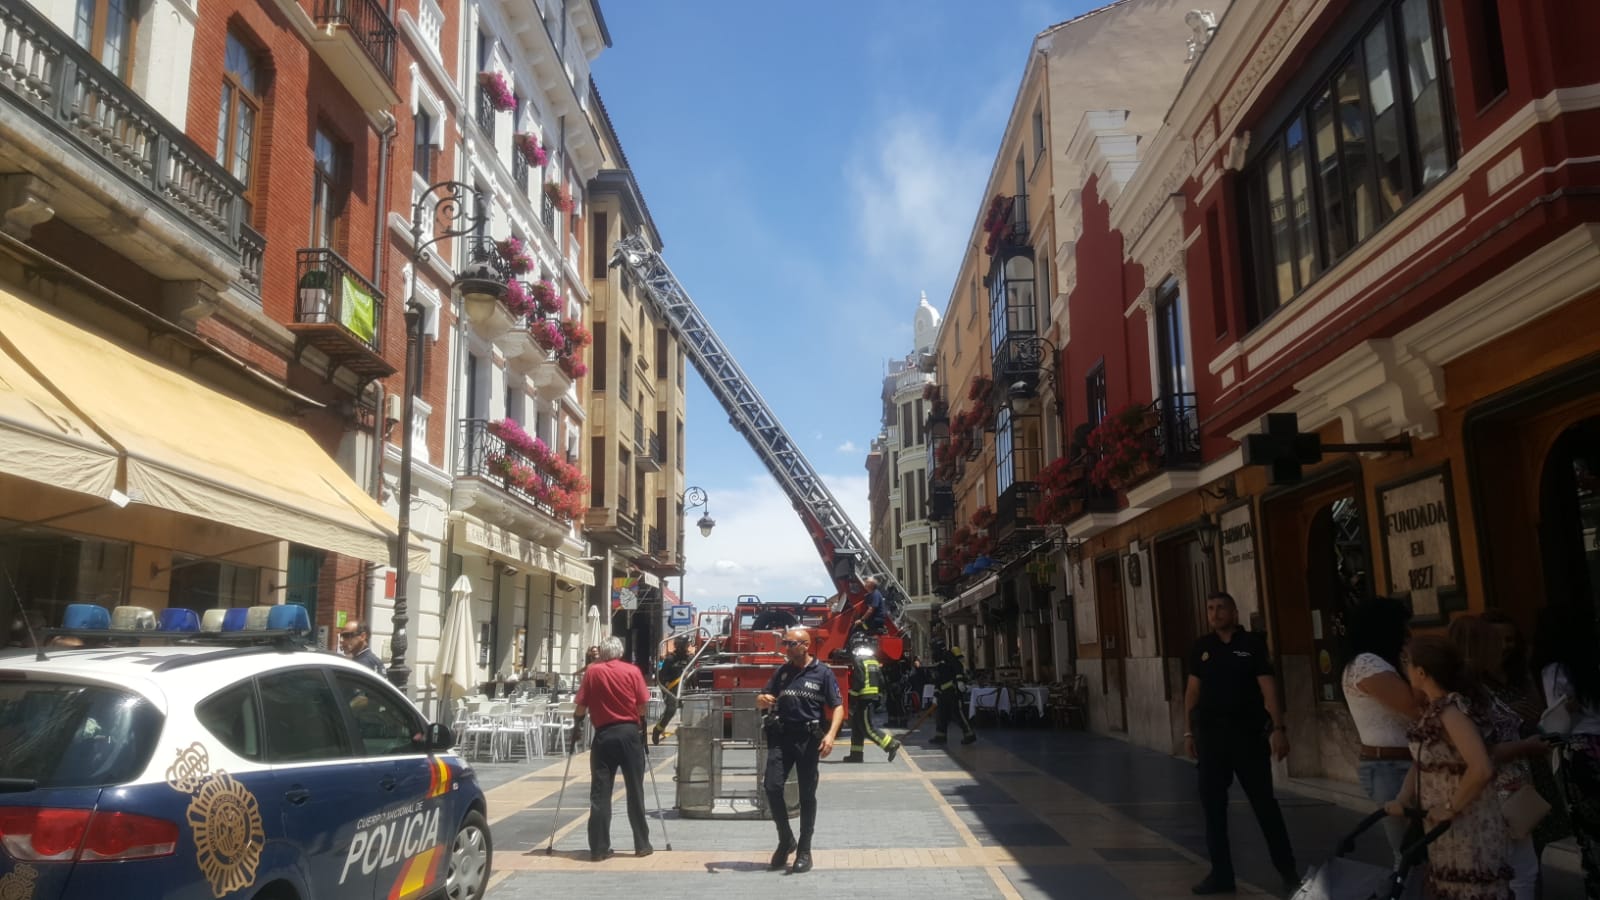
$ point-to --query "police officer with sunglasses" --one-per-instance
(800, 693)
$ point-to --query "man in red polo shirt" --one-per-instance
(614, 691)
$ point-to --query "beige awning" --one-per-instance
(42, 439)
(183, 445)
(514, 548)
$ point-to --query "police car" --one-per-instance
(161, 760)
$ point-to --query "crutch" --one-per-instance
(555, 820)
(660, 813)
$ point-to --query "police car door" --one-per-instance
(418, 818)
(328, 791)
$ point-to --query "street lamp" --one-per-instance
(695, 498)
(451, 219)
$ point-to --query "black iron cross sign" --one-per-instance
(1285, 450)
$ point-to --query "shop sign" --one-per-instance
(1418, 523)
(1237, 539)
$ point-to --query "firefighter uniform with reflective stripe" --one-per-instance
(950, 675)
(866, 686)
(672, 669)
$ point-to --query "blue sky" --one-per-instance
(812, 168)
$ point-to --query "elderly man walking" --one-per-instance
(615, 693)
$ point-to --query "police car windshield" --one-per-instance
(74, 735)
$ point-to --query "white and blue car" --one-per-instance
(203, 766)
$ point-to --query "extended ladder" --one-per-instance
(846, 554)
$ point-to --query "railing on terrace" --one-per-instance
(519, 169)
(485, 112)
(252, 252)
(478, 454)
(547, 213)
(656, 450)
(368, 23)
(330, 291)
(61, 85)
(658, 542)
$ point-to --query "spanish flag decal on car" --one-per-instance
(418, 874)
(438, 778)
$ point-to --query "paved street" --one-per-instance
(1022, 813)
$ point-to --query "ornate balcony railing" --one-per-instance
(547, 213)
(252, 251)
(519, 169)
(479, 454)
(484, 112)
(46, 75)
(368, 23)
(658, 542)
(1021, 358)
(1006, 222)
(1177, 430)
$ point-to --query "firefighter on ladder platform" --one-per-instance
(672, 669)
(866, 684)
(950, 674)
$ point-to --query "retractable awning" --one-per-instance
(970, 598)
(99, 415)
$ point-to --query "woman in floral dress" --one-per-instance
(1454, 773)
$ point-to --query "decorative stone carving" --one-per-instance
(1262, 60)
(1237, 147)
(25, 201)
(1203, 24)
(187, 302)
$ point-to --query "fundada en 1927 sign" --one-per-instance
(1419, 542)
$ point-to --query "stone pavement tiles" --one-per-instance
(976, 821)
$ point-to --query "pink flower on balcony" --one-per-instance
(547, 334)
(572, 367)
(519, 300)
(577, 335)
(515, 254)
(530, 148)
(500, 95)
(560, 196)
(545, 297)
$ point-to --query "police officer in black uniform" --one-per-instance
(1230, 699)
(796, 699)
(950, 677)
(672, 669)
(866, 686)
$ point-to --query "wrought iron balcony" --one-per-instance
(653, 456)
(1022, 359)
(340, 313)
(482, 455)
(1016, 508)
(49, 81)
(658, 542)
(1177, 430)
(367, 22)
(1006, 223)
(485, 112)
(519, 170)
(941, 502)
(547, 213)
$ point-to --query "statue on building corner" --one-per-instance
(1203, 22)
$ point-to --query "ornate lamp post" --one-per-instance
(695, 498)
(451, 218)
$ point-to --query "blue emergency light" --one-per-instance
(86, 616)
(265, 620)
(236, 618)
(177, 619)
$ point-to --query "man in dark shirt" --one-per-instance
(672, 669)
(876, 617)
(796, 699)
(1230, 700)
(354, 640)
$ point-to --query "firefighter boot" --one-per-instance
(855, 756)
(656, 734)
(893, 748)
(971, 738)
(938, 739)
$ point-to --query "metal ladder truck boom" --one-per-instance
(848, 557)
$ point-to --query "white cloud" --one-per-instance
(759, 546)
(916, 188)
(849, 447)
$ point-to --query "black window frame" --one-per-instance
(1094, 385)
(1348, 51)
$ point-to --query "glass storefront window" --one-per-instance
(43, 572)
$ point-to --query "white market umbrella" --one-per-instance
(593, 630)
(457, 669)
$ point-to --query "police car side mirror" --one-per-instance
(439, 737)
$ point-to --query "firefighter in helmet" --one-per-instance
(866, 685)
(671, 673)
(950, 675)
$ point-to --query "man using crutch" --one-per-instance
(615, 693)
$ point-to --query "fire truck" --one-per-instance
(720, 737)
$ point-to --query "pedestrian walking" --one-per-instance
(866, 687)
(1229, 702)
(797, 697)
(1454, 779)
(614, 692)
(950, 676)
(1382, 705)
(671, 673)
(355, 642)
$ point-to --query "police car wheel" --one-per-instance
(469, 859)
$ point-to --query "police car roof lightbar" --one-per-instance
(285, 622)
